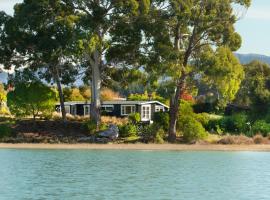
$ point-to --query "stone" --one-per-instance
(112, 132)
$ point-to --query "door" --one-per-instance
(146, 113)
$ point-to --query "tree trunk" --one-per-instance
(60, 92)
(95, 89)
(174, 108)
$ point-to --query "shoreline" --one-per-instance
(146, 147)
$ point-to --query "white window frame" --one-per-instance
(84, 110)
(108, 106)
(73, 110)
(67, 109)
(146, 113)
(159, 108)
(123, 109)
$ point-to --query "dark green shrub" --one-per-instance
(162, 119)
(5, 130)
(237, 123)
(261, 127)
(153, 133)
(134, 118)
(213, 125)
(128, 130)
(192, 129)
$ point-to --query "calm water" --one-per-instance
(124, 175)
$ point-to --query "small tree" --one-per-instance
(31, 99)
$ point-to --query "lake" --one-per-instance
(125, 175)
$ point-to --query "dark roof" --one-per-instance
(121, 102)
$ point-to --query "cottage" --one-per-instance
(118, 108)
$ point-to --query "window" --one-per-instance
(73, 110)
(127, 109)
(86, 110)
(159, 108)
(146, 112)
(107, 108)
(67, 108)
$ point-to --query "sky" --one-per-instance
(254, 26)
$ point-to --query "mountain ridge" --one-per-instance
(247, 58)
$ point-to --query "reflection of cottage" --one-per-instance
(117, 108)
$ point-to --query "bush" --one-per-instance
(162, 119)
(237, 124)
(159, 138)
(203, 118)
(214, 126)
(186, 108)
(128, 130)
(153, 133)
(261, 127)
(5, 130)
(31, 98)
(134, 118)
(192, 129)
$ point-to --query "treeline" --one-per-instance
(114, 43)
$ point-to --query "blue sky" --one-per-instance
(254, 27)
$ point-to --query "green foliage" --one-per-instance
(134, 118)
(159, 139)
(191, 124)
(214, 126)
(203, 118)
(128, 130)
(191, 129)
(255, 89)
(5, 130)
(261, 127)
(92, 128)
(162, 120)
(32, 98)
(237, 123)
(223, 72)
(73, 94)
(145, 97)
(186, 108)
(153, 133)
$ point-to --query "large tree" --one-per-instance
(100, 20)
(40, 36)
(178, 30)
(255, 88)
(220, 73)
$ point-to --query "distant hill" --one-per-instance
(247, 58)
